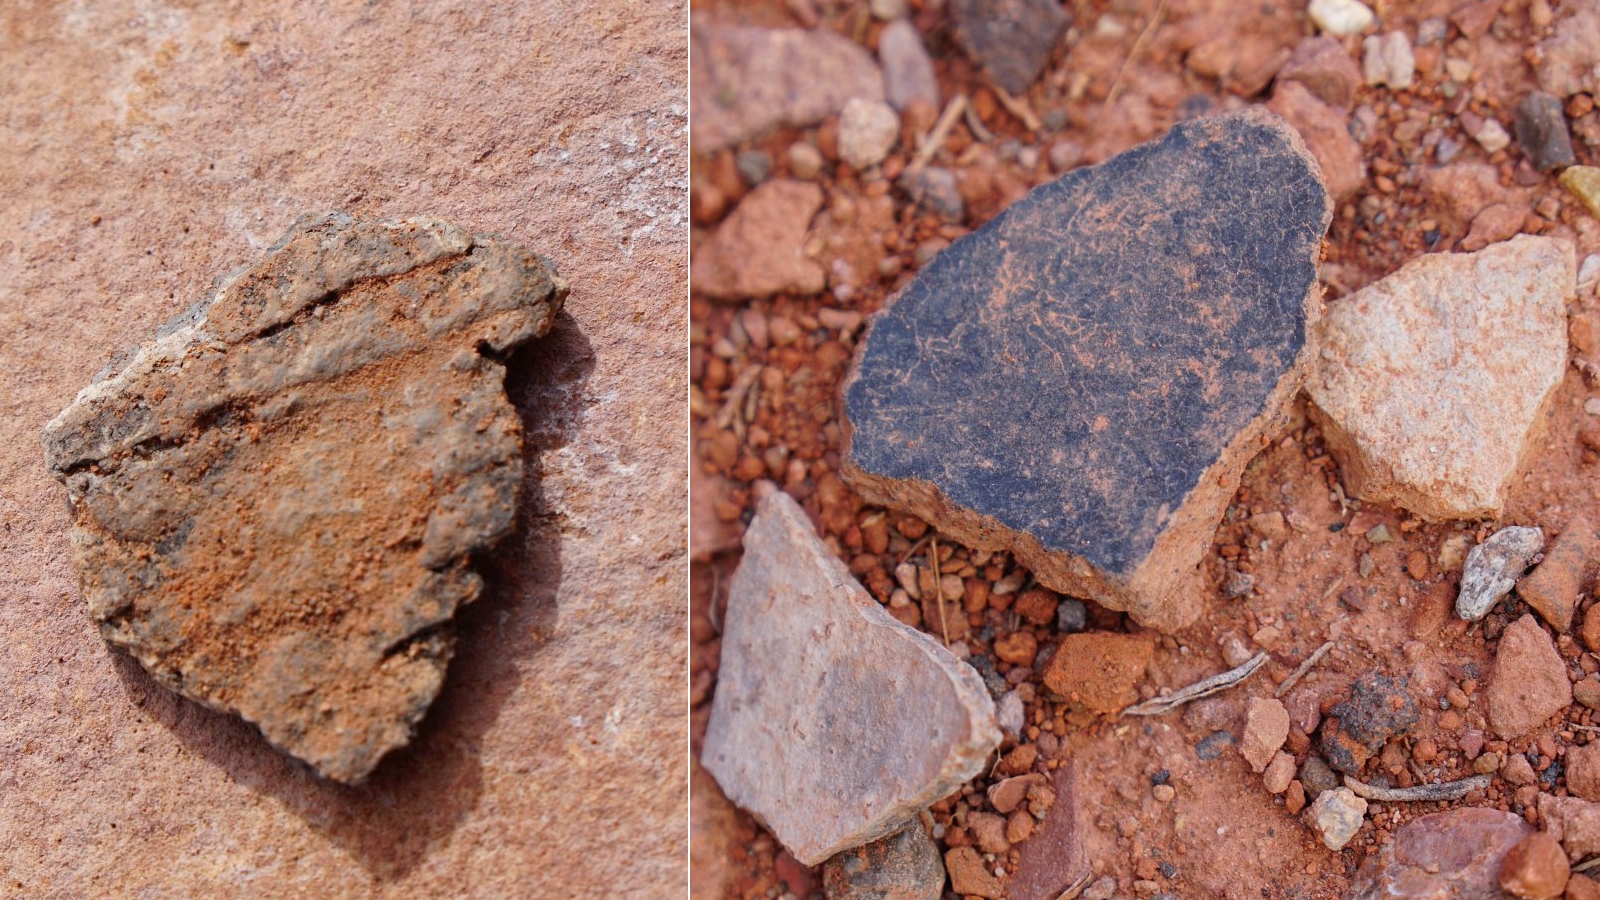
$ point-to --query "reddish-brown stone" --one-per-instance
(1583, 771)
(1552, 588)
(1057, 857)
(1098, 670)
(1535, 868)
(1529, 684)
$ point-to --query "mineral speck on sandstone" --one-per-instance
(277, 499)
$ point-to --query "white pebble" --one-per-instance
(1387, 60)
(867, 130)
(1341, 17)
(1492, 137)
(1589, 273)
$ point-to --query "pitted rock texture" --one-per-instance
(833, 723)
(277, 499)
(1082, 380)
(1431, 383)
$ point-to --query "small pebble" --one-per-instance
(1341, 17)
(805, 161)
(1584, 183)
(754, 166)
(1387, 60)
(1492, 137)
(1071, 616)
(1337, 815)
(887, 10)
(868, 129)
(1535, 868)
(1542, 131)
(1164, 792)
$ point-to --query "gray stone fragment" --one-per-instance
(903, 866)
(1542, 132)
(833, 723)
(277, 500)
(1010, 40)
(1493, 568)
(907, 69)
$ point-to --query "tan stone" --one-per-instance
(1572, 821)
(1583, 771)
(1266, 727)
(1430, 383)
(832, 722)
(161, 146)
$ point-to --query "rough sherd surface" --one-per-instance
(148, 150)
(903, 866)
(1553, 588)
(1083, 379)
(1453, 855)
(276, 501)
(747, 80)
(833, 723)
(1486, 334)
(1530, 682)
(1493, 567)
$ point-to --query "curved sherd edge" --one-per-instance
(279, 499)
(1005, 395)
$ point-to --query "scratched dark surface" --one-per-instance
(1074, 366)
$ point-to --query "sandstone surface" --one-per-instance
(1486, 334)
(147, 148)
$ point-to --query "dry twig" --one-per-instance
(1305, 667)
(1206, 688)
(1138, 44)
(938, 592)
(1447, 790)
(1018, 107)
(940, 131)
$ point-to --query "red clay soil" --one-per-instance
(1318, 574)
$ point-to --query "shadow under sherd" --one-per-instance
(419, 794)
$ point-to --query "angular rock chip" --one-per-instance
(760, 248)
(833, 723)
(1083, 379)
(278, 498)
(1430, 382)
(1573, 822)
(1493, 568)
(1553, 588)
(1336, 816)
(1530, 681)
(1056, 858)
(1454, 854)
